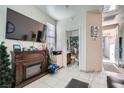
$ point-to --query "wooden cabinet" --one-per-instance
(69, 58)
(22, 63)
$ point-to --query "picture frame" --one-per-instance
(94, 31)
(16, 48)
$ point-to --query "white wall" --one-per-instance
(29, 11)
(66, 25)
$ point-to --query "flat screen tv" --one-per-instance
(20, 27)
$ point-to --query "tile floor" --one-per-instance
(62, 77)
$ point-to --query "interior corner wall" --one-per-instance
(93, 47)
(27, 10)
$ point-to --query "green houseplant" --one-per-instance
(5, 71)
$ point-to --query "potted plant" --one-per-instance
(5, 70)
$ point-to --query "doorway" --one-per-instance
(72, 42)
(110, 44)
(106, 47)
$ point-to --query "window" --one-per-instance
(50, 36)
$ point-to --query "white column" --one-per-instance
(82, 43)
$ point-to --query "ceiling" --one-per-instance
(59, 12)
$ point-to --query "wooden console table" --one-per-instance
(28, 66)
